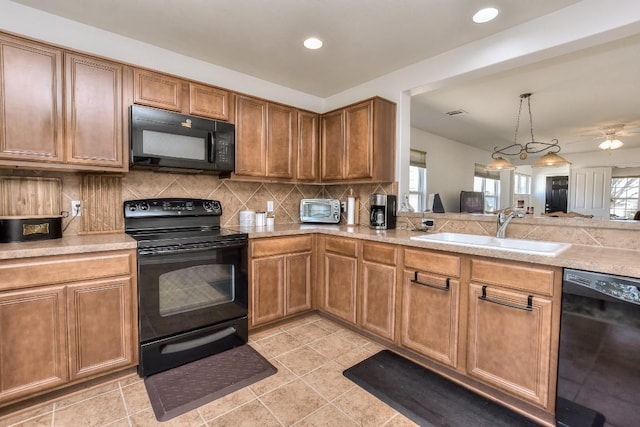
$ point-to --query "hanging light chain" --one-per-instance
(528, 96)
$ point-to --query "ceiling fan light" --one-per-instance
(550, 160)
(500, 164)
(610, 144)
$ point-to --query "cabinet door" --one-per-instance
(281, 131)
(298, 282)
(251, 136)
(340, 275)
(430, 309)
(359, 141)
(93, 112)
(332, 140)
(379, 299)
(267, 291)
(157, 90)
(307, 169)
(510, 341)
(31, 101)
(33, 341)
(208, 101)
(101, 325)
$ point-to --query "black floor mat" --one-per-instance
(186, 387)
(426, 397)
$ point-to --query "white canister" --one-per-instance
(247, 218)
(261, 219)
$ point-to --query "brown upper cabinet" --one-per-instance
(266, 136)
(358, 142)
(308, 148)
(175, 94)
(78, 128)
(31, 103)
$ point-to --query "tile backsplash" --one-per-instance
(243, 195)
(233, 195)
(236, 196)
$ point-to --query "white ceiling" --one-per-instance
(363, 39)
(574, 96)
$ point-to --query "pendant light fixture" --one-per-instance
(550, 159)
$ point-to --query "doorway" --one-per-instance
(556, 194)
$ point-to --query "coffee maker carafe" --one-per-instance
(383, 211)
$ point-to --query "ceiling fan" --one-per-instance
(609, 136)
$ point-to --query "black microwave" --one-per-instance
(165, 140)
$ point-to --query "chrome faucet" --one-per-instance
(504, 218)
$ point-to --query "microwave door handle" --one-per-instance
(211, 144)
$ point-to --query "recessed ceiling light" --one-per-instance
(313, 43)
(485, 15)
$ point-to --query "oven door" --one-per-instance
(192, 304)
(183, 291)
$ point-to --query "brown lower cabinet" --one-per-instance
(513, 328)
(378, 289)
(340, 277)
(510, 341)
(280, 278)
(431, 305)
(64, 319)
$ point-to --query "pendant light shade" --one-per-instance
(500, 164)
(550, 160)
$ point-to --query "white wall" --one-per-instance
(450, 166)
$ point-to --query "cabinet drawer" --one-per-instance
(524, 277)
(279, 246)
(27, 272)
(432, 262)
(383, 254)
(344, 247)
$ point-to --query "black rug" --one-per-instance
(426, 397)
(186, 387)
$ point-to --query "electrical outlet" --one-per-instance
(270, 206)
(75, 208)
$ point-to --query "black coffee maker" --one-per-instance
(383, 211)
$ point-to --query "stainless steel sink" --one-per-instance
(533, 247)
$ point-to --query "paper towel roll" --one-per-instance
(351, 210)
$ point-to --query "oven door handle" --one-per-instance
(197, 342)
(159, 252)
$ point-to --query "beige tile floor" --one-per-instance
(308, 390)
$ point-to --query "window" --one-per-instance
(522, 184)
(488, 182)
(624, 197)
(418, 180)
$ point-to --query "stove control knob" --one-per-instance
(132, 208)
(216, 205)
(207, 205)
(144, 206)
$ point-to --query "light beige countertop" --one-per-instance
(592, 258)
(67, 245)
(622, 262)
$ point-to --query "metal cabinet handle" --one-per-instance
(440, 288)
(528, 307)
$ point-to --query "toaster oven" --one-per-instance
(320, 210)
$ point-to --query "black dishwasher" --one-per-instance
(599, 361)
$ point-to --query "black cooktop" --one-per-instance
(178, 223)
